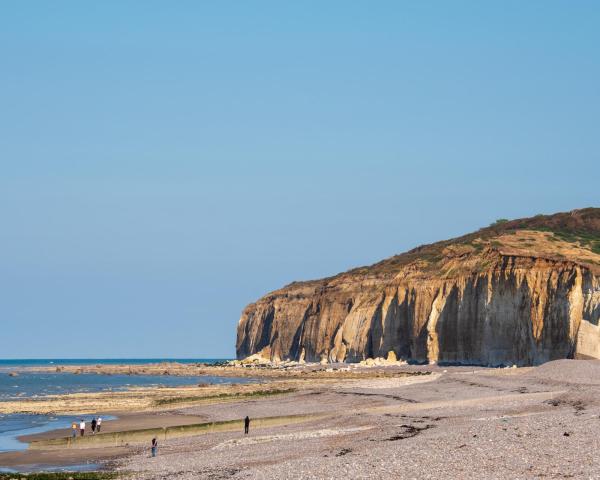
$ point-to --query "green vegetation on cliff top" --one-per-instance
(580, 227)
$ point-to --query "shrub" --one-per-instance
(500, 221)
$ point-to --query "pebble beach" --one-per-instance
(402, 421)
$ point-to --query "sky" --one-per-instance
(163, 164)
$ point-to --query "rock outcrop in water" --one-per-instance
(518, 292)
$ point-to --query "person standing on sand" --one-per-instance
(98, 424)
(82, 427)
(246, 425)
(94, 423)
(154, 446)
(73, 429)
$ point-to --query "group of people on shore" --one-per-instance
(96, 425)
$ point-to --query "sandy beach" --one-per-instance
(444, 422)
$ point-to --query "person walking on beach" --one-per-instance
(154, 446)
(246, 425)
(94, 423)
(99, 424)
(73, 429)
(82, 427)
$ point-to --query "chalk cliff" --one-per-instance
(518, 292)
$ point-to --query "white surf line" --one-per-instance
(326, 432)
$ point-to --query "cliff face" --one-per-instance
(523, 292)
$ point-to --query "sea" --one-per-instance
(31, 384)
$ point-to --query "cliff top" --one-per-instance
(567, 236)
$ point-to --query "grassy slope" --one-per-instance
(579, 228)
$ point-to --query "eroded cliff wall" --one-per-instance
(477, 306)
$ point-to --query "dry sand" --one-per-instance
(459, 422)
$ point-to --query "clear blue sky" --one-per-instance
(163, 164)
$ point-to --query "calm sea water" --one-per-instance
(31, 384)
(45, 362)
(37, 384)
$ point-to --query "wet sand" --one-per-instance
(35, 460)
(67, 456)
(126, 421)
